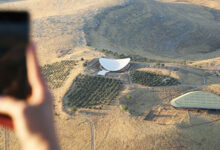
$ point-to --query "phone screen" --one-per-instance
(14, 38)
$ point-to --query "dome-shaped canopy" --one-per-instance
(114, 64)
(198, 99)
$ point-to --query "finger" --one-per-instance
(9, 106)
(34, 75)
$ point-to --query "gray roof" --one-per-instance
(197, 99)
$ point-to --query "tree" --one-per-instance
(124, 107)
(158, 64)
(128, 96)
(73, 109)
(85, 64)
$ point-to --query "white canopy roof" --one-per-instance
(198, 99)
(102, 72)
(114, 64)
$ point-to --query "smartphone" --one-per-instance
(14, 39)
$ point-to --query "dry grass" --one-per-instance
(57, 24)
(191, 79)
(213, 88)
(211, 64)
(207, 3)
(141, 100)
(12, 142)
(40, 9)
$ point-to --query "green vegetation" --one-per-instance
(92, 91)
(152, 79)
(128, 96)
(57, 73)
(133, 57)
(73, 109)
(136, 58)
(124, 107)
(85, 63)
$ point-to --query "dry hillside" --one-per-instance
(158, 30)
(57, 24)
(207, 3)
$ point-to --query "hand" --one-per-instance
(32, 118)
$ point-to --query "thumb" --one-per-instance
(9, 105)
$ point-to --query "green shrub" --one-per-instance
(128, 96)
(158, 64)
(124, 107)
(73, 109)
(85, 64)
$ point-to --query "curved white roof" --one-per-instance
(114, 64)
(198, 99)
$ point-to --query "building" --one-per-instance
(197, 99)
(113, 65)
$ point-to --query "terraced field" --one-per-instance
(92, 91)
(56, 73)
(152, 79)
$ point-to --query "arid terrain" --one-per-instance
(157, 30)
(182, 39)
(215, 4)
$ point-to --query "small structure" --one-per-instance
(102, 72)
(197, 99)
(113, 65)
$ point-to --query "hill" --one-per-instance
(158, 30)
(207, 3)
(57, 24)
